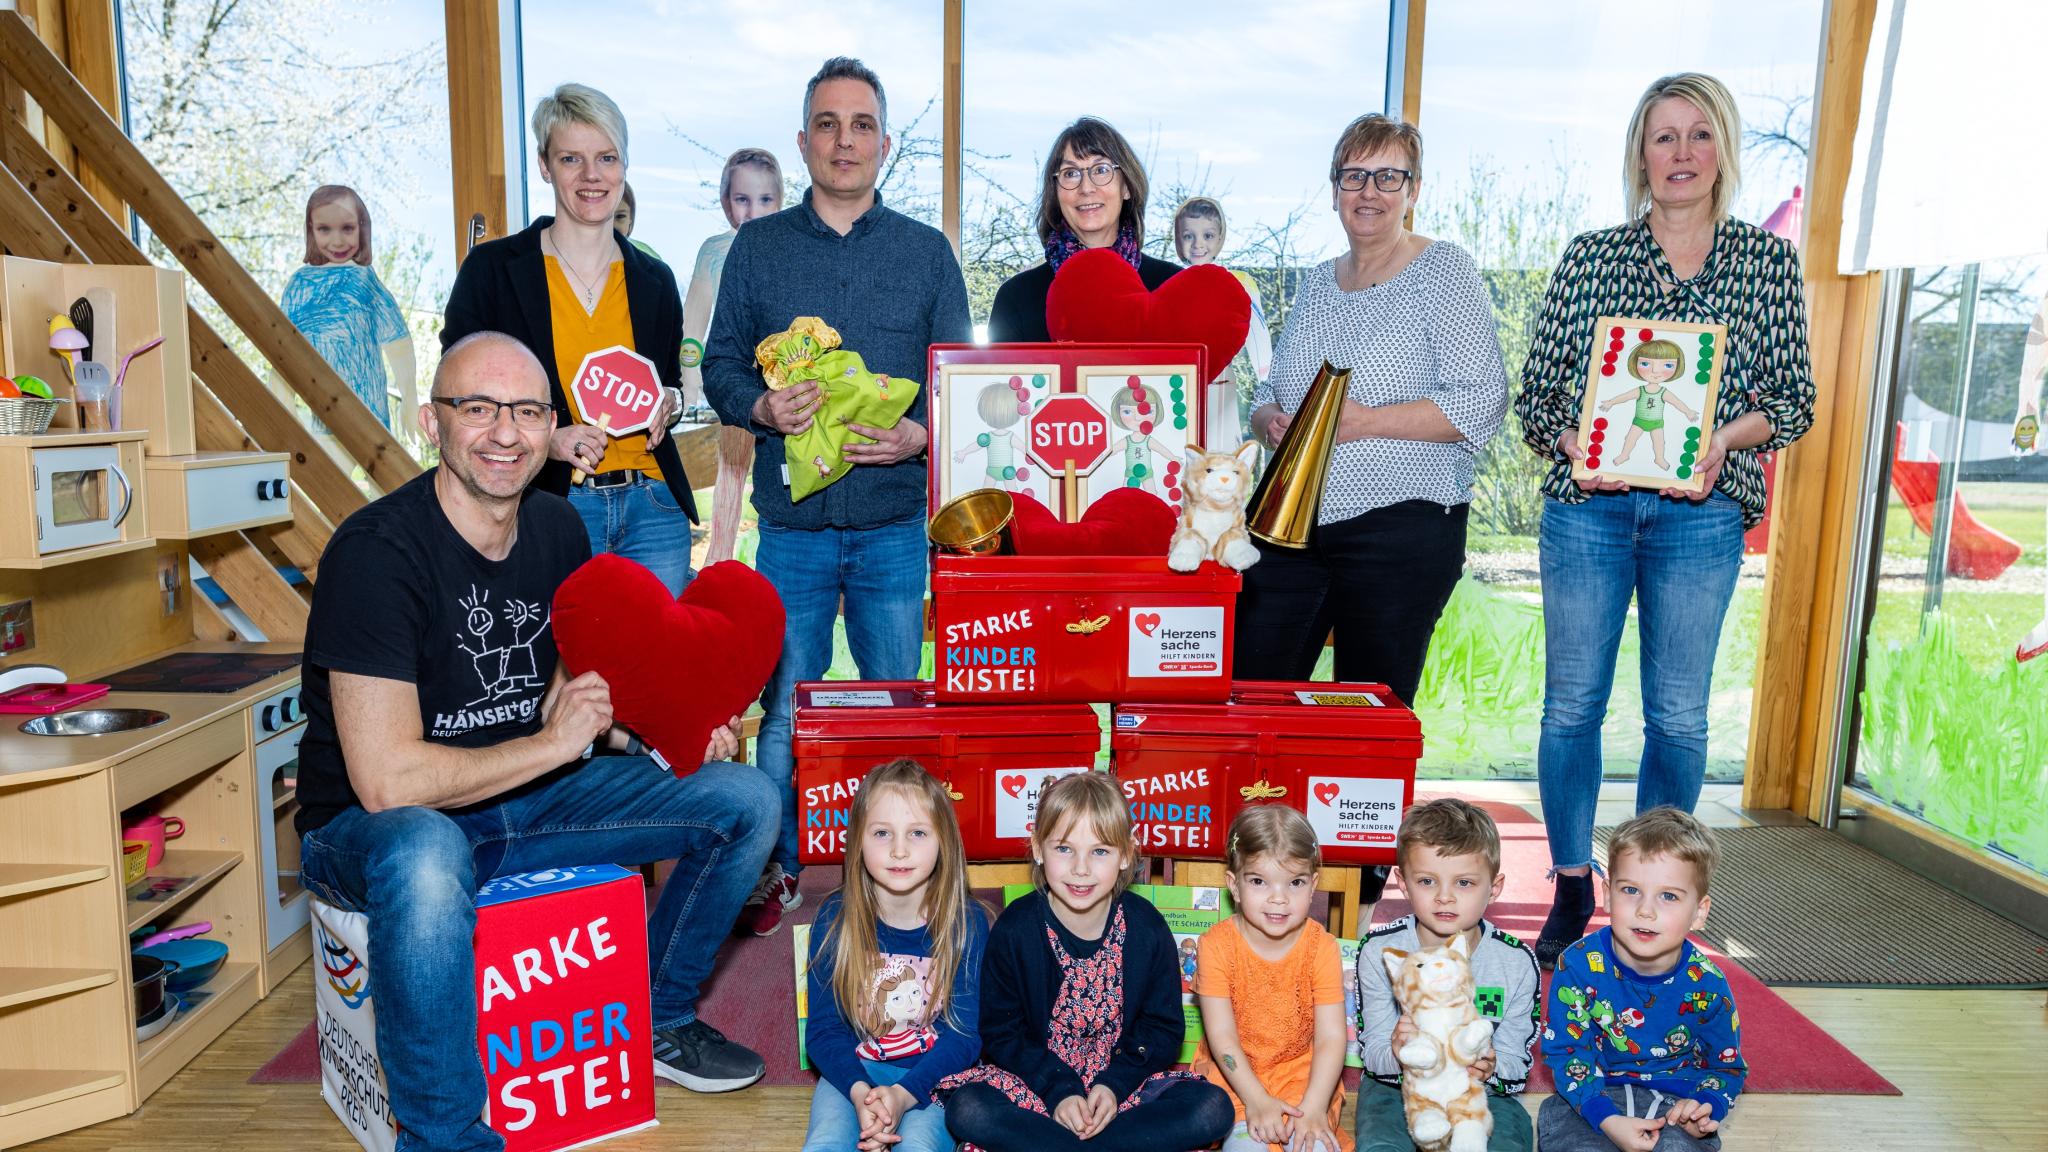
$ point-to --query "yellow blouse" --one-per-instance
(578, 334)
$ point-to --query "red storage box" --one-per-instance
(1080, 629)
(1342, 754)
(993, 759)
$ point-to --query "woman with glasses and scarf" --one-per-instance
(1093, 196)
(1411, 320)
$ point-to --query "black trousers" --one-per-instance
(1189, 1114)
(1378, 580)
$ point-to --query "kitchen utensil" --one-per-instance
(134, 861)
(151, 939)
(149, 974)
(94, 388)
(197, 960)
(81, 319)
(43, 699)
(172, 1005)
(153, 831)
(67, 342)
(146, 346)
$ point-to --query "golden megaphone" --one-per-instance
(1283, 508)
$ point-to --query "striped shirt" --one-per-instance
(1427, 334)
(1750, 282)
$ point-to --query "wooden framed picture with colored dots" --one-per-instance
(1153, 417)
(1648, 411)
(1124, 416)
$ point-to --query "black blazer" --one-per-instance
(1018, 315)
(503, 287)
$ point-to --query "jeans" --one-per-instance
(879, 573)
(1678, 561)
(640, 521)
(415, 871)
(1563, 1130)
(1184, 1115)
(1383, 1122)
(834, 1128)
(1380, 579)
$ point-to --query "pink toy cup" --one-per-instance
(153, 831)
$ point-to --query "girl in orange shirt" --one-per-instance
(1271, 989)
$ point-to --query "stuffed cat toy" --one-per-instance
(1212, 517)
(1446, 1107)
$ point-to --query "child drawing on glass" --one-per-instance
(1654, 362)
(1001, 406)
(344, 310)
(1137, 411)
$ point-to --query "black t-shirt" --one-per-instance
(402, 596)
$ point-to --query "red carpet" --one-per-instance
(751, 996)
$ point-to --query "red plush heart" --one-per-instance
(1326, 793)
(1096, 297)
(1121, 522)
(678, 667)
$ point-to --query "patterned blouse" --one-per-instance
(1750, 282)
(1427, 334)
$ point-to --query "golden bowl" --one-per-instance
(974, 524)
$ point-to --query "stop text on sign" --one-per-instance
(1069, 432)
(617, 387)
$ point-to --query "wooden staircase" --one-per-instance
(47, 214)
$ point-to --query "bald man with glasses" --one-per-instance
(445, 747)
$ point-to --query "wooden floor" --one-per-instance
(1958, 1056)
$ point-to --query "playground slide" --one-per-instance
(1975, 552)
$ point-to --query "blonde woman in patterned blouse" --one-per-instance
(1680, 257)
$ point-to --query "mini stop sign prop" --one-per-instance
(1069, 437)
(616, 389)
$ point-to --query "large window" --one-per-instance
(1524, 123)
(1950, 719)
(1217, 100)
(701, 79)
(246, 108)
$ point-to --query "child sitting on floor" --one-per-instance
(1271, 988)
(1642, 1034)
(1449, 854)
(895, 973)
(1081, 1017)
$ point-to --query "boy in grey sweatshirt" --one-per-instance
(1449, 853)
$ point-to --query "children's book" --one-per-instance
(1347, 951)
(800, 936)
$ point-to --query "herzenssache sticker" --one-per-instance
(1016, 796)
(1175, 642)
(1351, 811)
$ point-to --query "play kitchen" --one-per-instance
(141, 906)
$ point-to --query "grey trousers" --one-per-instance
(1560, 1128)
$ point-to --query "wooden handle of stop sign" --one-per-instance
(1070, 493)
(604, 424)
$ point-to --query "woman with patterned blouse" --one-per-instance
(1411, 320)
(1680, 258)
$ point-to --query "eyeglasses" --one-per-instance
(482, 411)
(1385, 179)
(1099, 174)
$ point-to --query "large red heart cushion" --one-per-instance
(678, 667)
(1096, 297)
(1121, 522)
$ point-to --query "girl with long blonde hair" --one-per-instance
(895, 971)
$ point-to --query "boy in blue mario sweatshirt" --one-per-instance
(1642, 1035)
